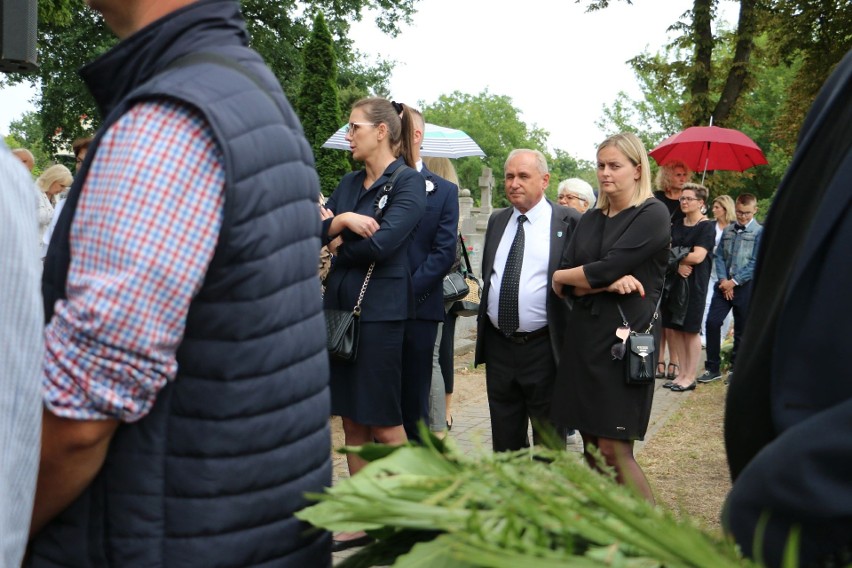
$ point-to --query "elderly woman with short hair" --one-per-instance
(576, 193)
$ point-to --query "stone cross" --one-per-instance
(486, 183)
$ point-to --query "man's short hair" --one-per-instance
(747, 199)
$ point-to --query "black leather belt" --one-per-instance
(521, 337)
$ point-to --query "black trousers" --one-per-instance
(519, 379)
(418, 346)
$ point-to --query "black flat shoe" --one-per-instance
(661, 370)
(678, 388)
(668, 385)
(341, 545)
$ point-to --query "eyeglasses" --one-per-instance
(744, 213)
(353, 126)
(571, 197)
(685, 199)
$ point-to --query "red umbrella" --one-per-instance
(710, 148)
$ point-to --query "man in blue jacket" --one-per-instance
(430, 256)
(734, 265)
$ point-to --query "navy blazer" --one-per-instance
(389, 295)
(433, 249)
(563, 220)
(788, 418)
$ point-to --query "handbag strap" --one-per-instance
(656, 310)
(385, 191)
(464, 253)
(357, 309)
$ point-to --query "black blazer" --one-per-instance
(788, 419)
(562, 223)
(389, 294)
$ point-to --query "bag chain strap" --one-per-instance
(357, 309)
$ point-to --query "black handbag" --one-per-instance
(468, 305)
(640, 349)
(342, 327)
(455, 286)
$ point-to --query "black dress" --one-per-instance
(702, 234)
(673, 205)
(590, 392)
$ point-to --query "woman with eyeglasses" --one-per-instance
(576, 193)
(367, 222)
(693, 236)
(670, 179)
(614, 264)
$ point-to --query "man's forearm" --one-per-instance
(72, 453)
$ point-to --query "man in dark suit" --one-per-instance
(788, 418)
(521, 321)
(430, 255)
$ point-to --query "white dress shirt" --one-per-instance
(534, 283)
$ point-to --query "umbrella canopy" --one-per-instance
(437, 141)
(704, 148)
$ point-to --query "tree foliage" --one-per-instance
(26, 133)
(71, 35)
(318, 104)
(494, 123)
(760, 77)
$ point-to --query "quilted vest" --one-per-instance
(213, 475)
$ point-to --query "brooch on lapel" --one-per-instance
(430, 186)
(559, 234)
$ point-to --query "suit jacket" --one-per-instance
(433, 249)
(788, 419)
(389, 295)
(562, 223)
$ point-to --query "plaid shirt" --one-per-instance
(144, 232)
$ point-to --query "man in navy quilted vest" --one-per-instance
(185, 377)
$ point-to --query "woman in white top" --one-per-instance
(723, 213)
(51, 183)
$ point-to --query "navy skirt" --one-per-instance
(368, 391)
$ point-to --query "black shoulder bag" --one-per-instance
(639, 347)
(469, 304)
(343, 326)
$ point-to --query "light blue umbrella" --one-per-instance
(437, 141)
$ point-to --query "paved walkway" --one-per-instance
(472, 426)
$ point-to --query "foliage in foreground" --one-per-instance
(431, 506)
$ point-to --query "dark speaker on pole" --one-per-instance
(18, 23)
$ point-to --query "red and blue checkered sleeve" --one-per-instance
(144, 232)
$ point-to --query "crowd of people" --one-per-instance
(186, 387)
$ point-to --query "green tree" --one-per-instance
(494, 122)
(562, 166)
(70, 35)
(318, 104)
(26, 133)
(760, 78)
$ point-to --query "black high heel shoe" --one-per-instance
(661, 370)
